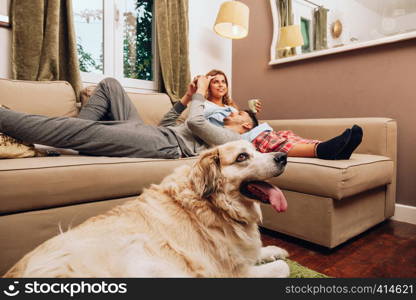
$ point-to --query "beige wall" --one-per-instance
(372, 82)
(207, 50)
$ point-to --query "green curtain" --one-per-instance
(320, 28)
(44, 42)
(285, 18)
(172, 27)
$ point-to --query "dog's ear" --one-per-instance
(206, 174)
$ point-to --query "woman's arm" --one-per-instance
(233, 104)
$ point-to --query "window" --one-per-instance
(89, 31)
(116, 38)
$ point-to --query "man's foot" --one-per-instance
(355, 141)
(332, 148)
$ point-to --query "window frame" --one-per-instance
(113, 51)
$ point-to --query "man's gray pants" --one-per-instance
(108, 125)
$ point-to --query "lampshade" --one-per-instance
(232, 20)
(290, 36)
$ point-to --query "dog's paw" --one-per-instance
(274, 269)
(279, 269)
(271, 253)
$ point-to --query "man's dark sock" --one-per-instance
(355, 141)
(332, 148)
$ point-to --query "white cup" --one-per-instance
(252, 104)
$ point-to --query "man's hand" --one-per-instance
(192, 87)
(203, 84)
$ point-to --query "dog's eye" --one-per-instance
(242, 157)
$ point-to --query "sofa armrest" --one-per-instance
(380, 134)
(380, 138)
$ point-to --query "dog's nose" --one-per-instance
(281, 158)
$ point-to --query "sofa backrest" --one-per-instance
(57, 98)
(151, 106)
(50, 98)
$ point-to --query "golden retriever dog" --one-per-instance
(200, 221)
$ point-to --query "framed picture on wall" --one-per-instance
(4, 13)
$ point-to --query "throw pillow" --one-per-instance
(12, 148)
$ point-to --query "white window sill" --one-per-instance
(131, 85)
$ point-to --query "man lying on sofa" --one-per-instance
(109, 125)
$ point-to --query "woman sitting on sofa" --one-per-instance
(220, 105)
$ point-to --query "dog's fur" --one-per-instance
(196, 223)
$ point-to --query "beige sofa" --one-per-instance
(329, 201)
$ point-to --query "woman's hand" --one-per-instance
(258, 106)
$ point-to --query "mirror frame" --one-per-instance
(358, 45)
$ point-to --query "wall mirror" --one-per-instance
(308, 28)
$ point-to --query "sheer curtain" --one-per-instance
(320, 28)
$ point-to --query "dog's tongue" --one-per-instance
(268, 193)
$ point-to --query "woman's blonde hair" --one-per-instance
(226, 99)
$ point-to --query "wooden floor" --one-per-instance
(387, 250)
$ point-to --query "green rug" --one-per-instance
(296, 269)
(299, 271)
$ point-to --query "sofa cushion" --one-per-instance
(45, 182)
(336, 179)
(34, 183)
(50, 98)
